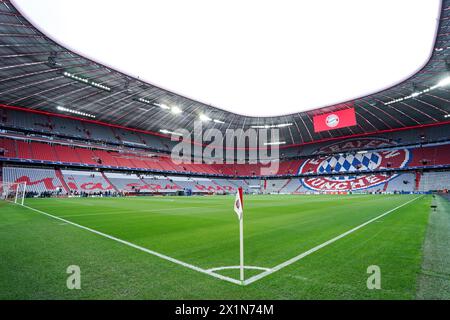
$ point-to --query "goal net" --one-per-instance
(13, 192)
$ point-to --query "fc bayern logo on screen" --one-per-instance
(345, 161)
(332, 121)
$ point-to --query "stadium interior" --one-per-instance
(71, 127)
(66, 156)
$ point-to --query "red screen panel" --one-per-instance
(335, 120)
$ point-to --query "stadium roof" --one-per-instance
(254, 58)
(38, 73)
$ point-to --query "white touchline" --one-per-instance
(211, 272)
(159, 255)
(307, 253)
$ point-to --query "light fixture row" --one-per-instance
(173, 109)
(80, 113)
(444, 82)
(204, 118)
(86, 81)
(170, 132)
(273, 126)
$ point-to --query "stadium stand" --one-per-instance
(421, 157)
(89, 182)
(403, 183)
(125, 182)
(38, 180)
(435, 181)
(77, 182)
(32, 122)
(293, 186)
(392, 144)
(276, 186)
(160, 184)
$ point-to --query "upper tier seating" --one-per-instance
(82, 129)
(78, 129)
(39, 151)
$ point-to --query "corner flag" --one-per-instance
(239, 204)
(239, 209)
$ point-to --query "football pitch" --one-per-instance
(296, 247)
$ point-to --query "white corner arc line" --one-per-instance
(238, 267)
(307, 253)
(157, 254)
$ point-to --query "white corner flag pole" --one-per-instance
(241, 231)
(239, 209)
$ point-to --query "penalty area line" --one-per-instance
(135, 246)
(317, 248)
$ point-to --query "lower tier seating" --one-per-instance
(75, 182)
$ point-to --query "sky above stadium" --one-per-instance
(253, 57)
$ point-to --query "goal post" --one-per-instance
(13, 192)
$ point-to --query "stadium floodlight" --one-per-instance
(204, 118)
(176, 110)
(80, 113)
(75, 77)
(273, 126)
(447, 116)
(86, 81)
(170, 132)
(218, 121)
(275, 143)
(162, 106)
(284, 125)
(146, 101)
(444, 82)
(13, 192)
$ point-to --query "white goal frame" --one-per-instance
(13, 192)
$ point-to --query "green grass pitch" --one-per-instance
(35, 250)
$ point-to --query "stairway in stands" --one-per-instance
(16, 149)
(298, 189)
(61, 179)
(386, 185)
(109, 181)
(284, 186)
(418, 180)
